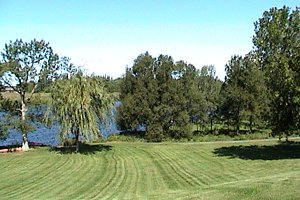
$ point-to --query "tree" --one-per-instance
(138, 94)
(209, 86)
(24, 66)
(245, 90)
(78, 104)
(255, 86)
(156, 94)
(235, 95)
(277, 42)
(3, 124)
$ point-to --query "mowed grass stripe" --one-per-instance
(217, 169)
(97, 176)
(60, 177)
(131, 175)
(165, 171)
(151, 174)
(147, 171)
(104, 176)
(92, 175)
(11, 176)
(73, 178)
(224, 169)
(200, 165)
(116, 177)
(191, 165)
(197, 167)
(23, 163)
(131, 185)
(120, 178)
(44, 179)
(29, 174)
(184, 171)
(179, 175)
(55, 175)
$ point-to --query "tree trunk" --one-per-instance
(77, 140)
(211, 125)
(251, 122)
(238, 125)
(228, 129)
(238, 121)
(25, 146)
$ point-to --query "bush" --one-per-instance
(123, 138)
(155, 133)
(68, 142)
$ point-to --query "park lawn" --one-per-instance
(36, 97)
(224, 170)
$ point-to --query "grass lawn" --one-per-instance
(245, 170)
(14, 96)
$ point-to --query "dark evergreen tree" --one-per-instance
(158, 94)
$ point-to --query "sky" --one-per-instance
(105, 36)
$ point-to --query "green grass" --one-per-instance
(36, 97)
(265, 134)
(124, 170)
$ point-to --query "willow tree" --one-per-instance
(78, 104)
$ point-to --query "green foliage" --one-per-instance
(23, 126)
(24, 66)
(208, 91)
(3, 128)
(158, 94)
(277, 42)
(244, 90)
(124, 138)
(112, 85)
(27, 63)
(78, 104)
(224, 135)
(155, 133)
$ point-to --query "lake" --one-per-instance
(50, 136)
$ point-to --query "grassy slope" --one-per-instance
(36, 97)
(154, 171)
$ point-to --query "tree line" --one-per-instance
(262, 87)
(161, 98)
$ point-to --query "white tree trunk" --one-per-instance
(25, 146)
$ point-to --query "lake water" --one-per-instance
(50, 136)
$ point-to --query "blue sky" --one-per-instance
(105, 36)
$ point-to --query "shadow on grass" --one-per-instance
(83, 149)
(286, 150)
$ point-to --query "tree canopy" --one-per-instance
(161, 95)
(24, 66)
(78, 104)
(244, 90)
(277, 43)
